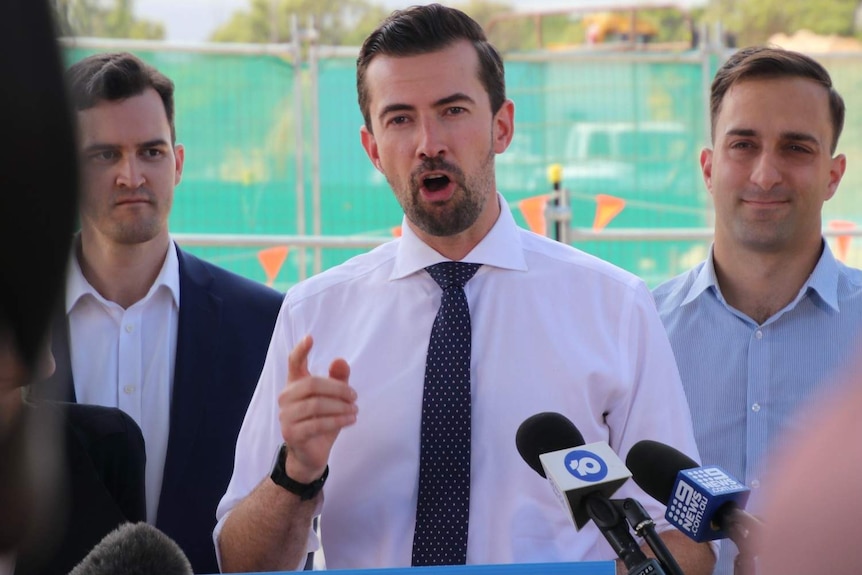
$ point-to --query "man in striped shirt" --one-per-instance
(761, 325)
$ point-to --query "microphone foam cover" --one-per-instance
(655, 466)
(135, 549)
(544, 433)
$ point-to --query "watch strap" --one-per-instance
(306, 491)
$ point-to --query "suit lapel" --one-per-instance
(198, 324)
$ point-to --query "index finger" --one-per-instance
(297, 361)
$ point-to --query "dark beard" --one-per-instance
(459, 213)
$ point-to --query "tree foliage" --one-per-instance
(348, 22)
(338, 22)
(93, 18)
(754, 22)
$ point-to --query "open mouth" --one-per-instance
(436, 182)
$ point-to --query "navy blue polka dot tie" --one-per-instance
(442, 512)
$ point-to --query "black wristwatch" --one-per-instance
(279, 476)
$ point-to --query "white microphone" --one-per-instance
(577, 472)
(583, 478)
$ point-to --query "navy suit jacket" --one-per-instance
(225, 324)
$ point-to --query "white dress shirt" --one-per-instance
(125, 358)
(553, 329)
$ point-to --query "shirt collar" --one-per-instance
(77, 285)
(823, 279)
(501, 247)
(704, 280)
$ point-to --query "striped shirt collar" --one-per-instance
(823, 281)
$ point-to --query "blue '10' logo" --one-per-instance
(586, 465)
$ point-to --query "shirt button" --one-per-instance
(755, 484)
(758, 334)
(130, 328)
(128, 389)
(755, 408)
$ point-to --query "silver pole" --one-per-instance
(298, 132)
(315, 141)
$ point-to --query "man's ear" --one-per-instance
(836, 172)
(179, 160)
(504, 126)
(706, 167)
(369, 143)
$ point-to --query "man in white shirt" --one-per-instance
(553, 329)
(173, 341)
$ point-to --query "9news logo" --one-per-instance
(586, 465)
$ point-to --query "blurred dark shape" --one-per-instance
(39, 174)
(102, 467)
(39, 178)
(135, 549)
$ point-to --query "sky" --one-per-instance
(194, 20)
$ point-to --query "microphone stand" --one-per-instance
(613, 526)
(644, 526)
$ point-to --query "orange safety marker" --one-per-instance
(842, 242)
(533, 210)
(607, 208)
(271, 260)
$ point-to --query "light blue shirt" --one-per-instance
(744, 382)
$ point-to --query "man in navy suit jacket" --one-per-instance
(174, 341)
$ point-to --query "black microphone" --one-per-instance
(583, 477)
(543, 433)
(135, 549)
(705, 503)
(545, 442)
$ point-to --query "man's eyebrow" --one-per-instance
(454, 98)
(789, 135)
(102, 146)
(394, 108)
(744, 132)
(800, 137)
(99, 147)
(153, 143)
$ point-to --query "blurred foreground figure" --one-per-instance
(37, 206)
(68, 474)
(813, 512)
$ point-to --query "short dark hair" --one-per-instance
(768, 62)
(423, 29)
(116, 76)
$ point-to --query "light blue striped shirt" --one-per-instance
(744, 382)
